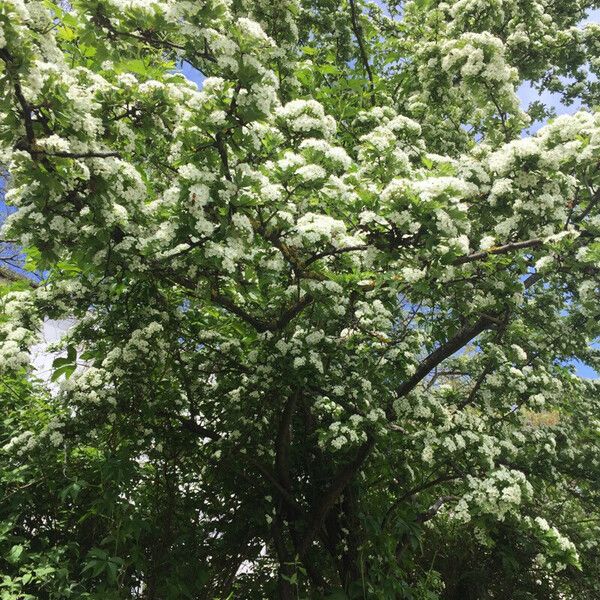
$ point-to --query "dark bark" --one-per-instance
(332, 494)
(285, 589)
(350, 570)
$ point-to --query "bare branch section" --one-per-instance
(284, 437)
(433, 509)
(10, 275)
(446, 478)
(25, 107)
(233, 308)
(91, 154)
(454, 344)
(533, 243)
(461, 339)
(358, 33)
(272, 479)
(330, 496)
(260, 325)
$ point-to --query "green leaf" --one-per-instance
(72, 353)
(66, 34)
(328, 70)
(112, 568)
(69, 19)
(87, 50)
(32, 258)
(15, 553)
(427, 162)
(65, 365)
(71, 490)
(134, 65)
(66, 370)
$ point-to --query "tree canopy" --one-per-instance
(327, 304)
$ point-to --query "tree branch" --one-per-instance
(26, 108)
(433, 509)
(62, 154)
(270, 477)
(533, 243)
(342, 479)
(222, 150)
(358, 31)
(194, 427)
(335, 252)
(282, 444)
(292, 312)
(226, 303)
(410, 493)
(463, 337)
(258, 324)
(488, 369)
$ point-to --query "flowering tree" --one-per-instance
(327, 305)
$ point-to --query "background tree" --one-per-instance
(327, 305)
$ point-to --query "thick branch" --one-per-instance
(433, 509)
(222, 150)
(92, 154)
(194, 427)
(282, 445)
(25, 106)
(533, 243)
(358, 31)
(330, 496)
(292, 312)
(258, 324)
(283, 492)
(461, 339)
(233, 308)
(410, 493)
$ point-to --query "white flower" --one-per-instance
(544, 262)
(312, 228)
(339, 441)
(411, 275)
(307, 116)
(254, 30)
(521, 354)
(311, 173)
(335, 154)
(487, 242)
(54, 143)
(299, 361)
